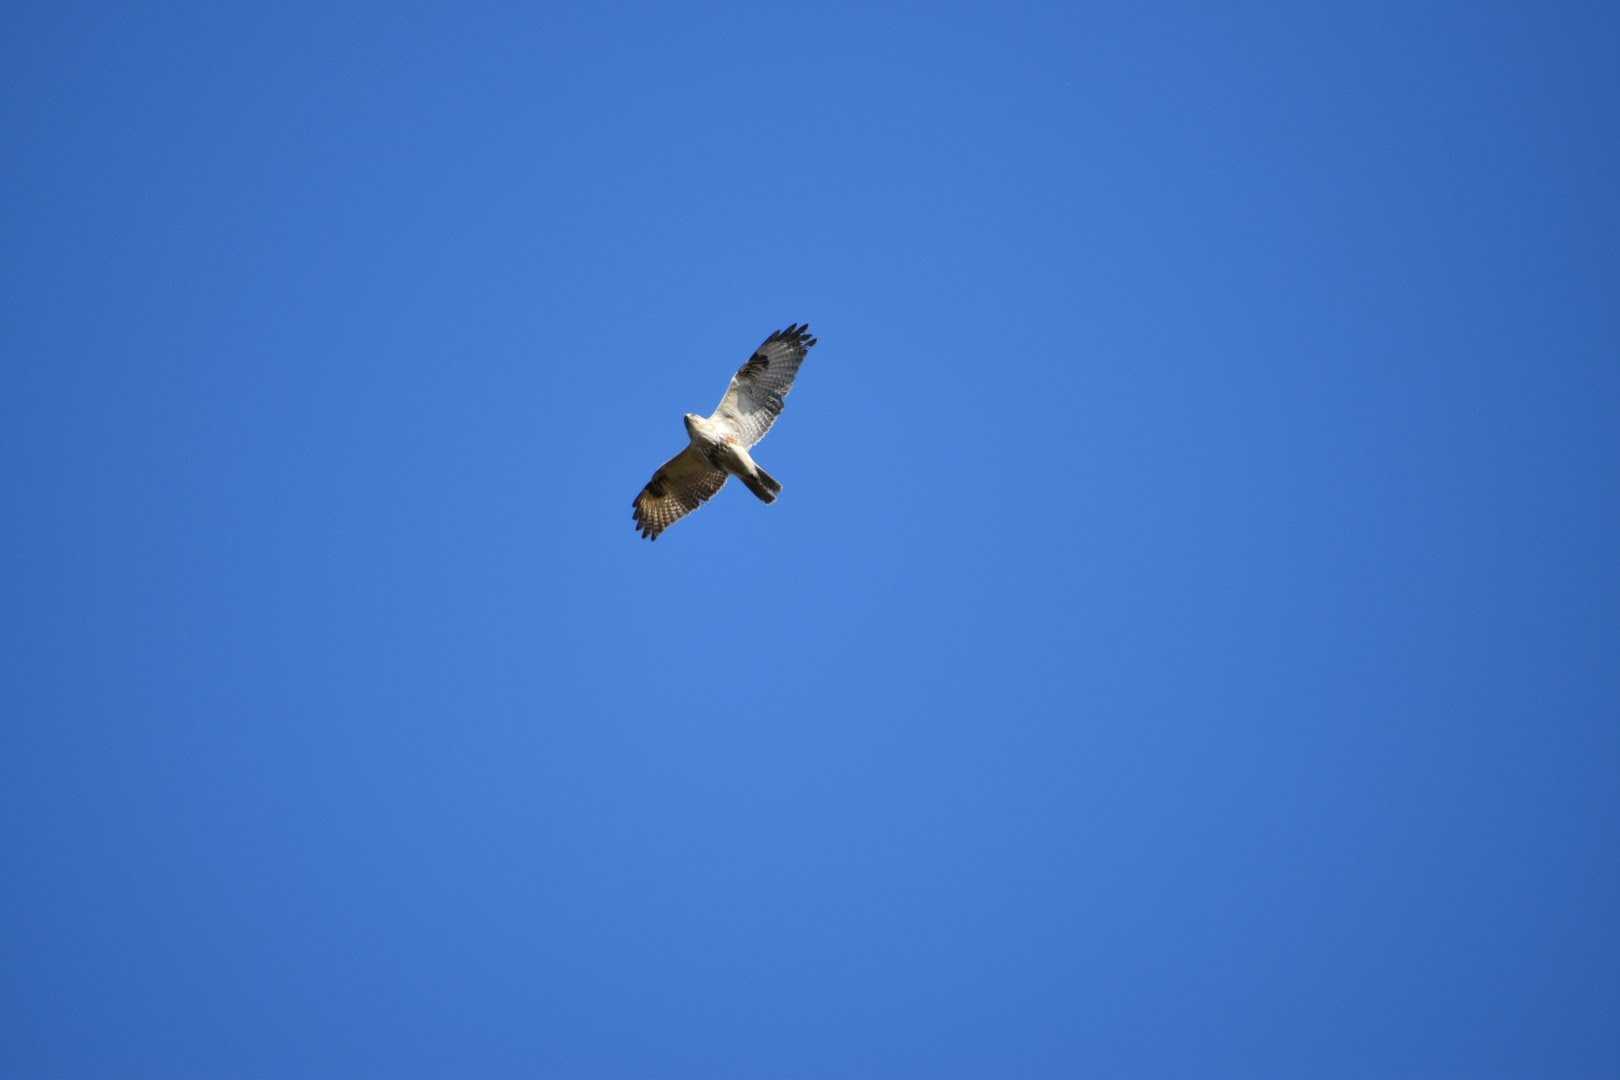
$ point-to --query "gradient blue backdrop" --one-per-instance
(1186, 645)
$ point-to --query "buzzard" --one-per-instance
(720, 441)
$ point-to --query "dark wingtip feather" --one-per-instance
(795, 333)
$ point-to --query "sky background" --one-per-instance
(1186, 643)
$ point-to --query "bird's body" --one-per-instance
(720, 442)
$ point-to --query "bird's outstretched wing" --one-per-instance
(681, 485)
(753, 401)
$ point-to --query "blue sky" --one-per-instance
(1185, 644)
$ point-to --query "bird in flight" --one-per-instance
(721, 440)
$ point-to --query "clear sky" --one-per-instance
(1186, 643)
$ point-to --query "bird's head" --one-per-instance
(690, 419)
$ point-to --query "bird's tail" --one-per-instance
(762, 484)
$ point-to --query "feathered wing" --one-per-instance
(681, 485)
(754, 399)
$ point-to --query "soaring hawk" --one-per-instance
(720, 441)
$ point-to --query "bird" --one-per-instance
(720, 441)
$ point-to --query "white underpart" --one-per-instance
(709, 434)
